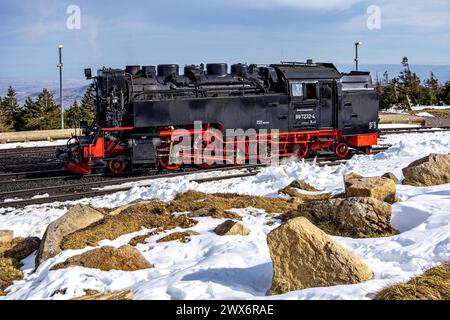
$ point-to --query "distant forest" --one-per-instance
(408, 90)
(43, 113)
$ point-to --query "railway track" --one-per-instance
(81, 189)
(29, 151)
(413, 130)
(25, 176)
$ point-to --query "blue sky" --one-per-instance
(116, 33)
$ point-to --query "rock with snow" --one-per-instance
(118, 295)
(6, 236)
(376, 187)
(352, 217)
(301, 184)
(390, 175)
(77, 218)
(303, 256)
(126, 258)
(231, 228)
(431, 170)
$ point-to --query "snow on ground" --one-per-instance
(237, 267)
(33, 144)
(397, 125)
(424, 114)
(395, 109)
(417, 108)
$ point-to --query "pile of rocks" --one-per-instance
(304, 256)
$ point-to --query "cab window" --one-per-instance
(297, 89)
(311, 92)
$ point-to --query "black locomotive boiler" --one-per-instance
(312, 107)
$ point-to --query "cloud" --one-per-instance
(323, 5)
(412, 14)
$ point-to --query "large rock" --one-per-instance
(304, 256)
(126, 258)
(11, 254)
(301, 184)
(22, 247)
(77, 218)
(231, 228)
(376, 187)
(6, 236)
(428, 171)
(352, 217)
(391, 176)
(118, 295)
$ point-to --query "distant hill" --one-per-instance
(72, 89)
(69, 95)
(423, 71)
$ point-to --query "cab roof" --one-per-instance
(307, 71)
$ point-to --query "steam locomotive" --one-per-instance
(296, 109)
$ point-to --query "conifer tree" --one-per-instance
(408, 86)
(431, 91)
(81, 112)
(445, 93)
(388, 96)
(32, 115)
(87, 105)
(72, 116)
(51, 111)
(3, 126)
(10, 107)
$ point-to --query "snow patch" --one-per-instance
(239, 267)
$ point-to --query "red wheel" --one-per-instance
(301, 150)
(165, 164)
(116, 166)
(341, 150)
(368, 150)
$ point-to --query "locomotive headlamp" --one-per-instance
(88, 73)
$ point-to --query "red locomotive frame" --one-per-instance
(298, 144)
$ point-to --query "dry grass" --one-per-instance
(401, 118)
(141, 239)
(149, 214)
(444, 113)
(9, 272)
(218, 204)
(11, 253)
(157, 214)
(119, 295)
(183, 236)
(434, 284)
(300, 197)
